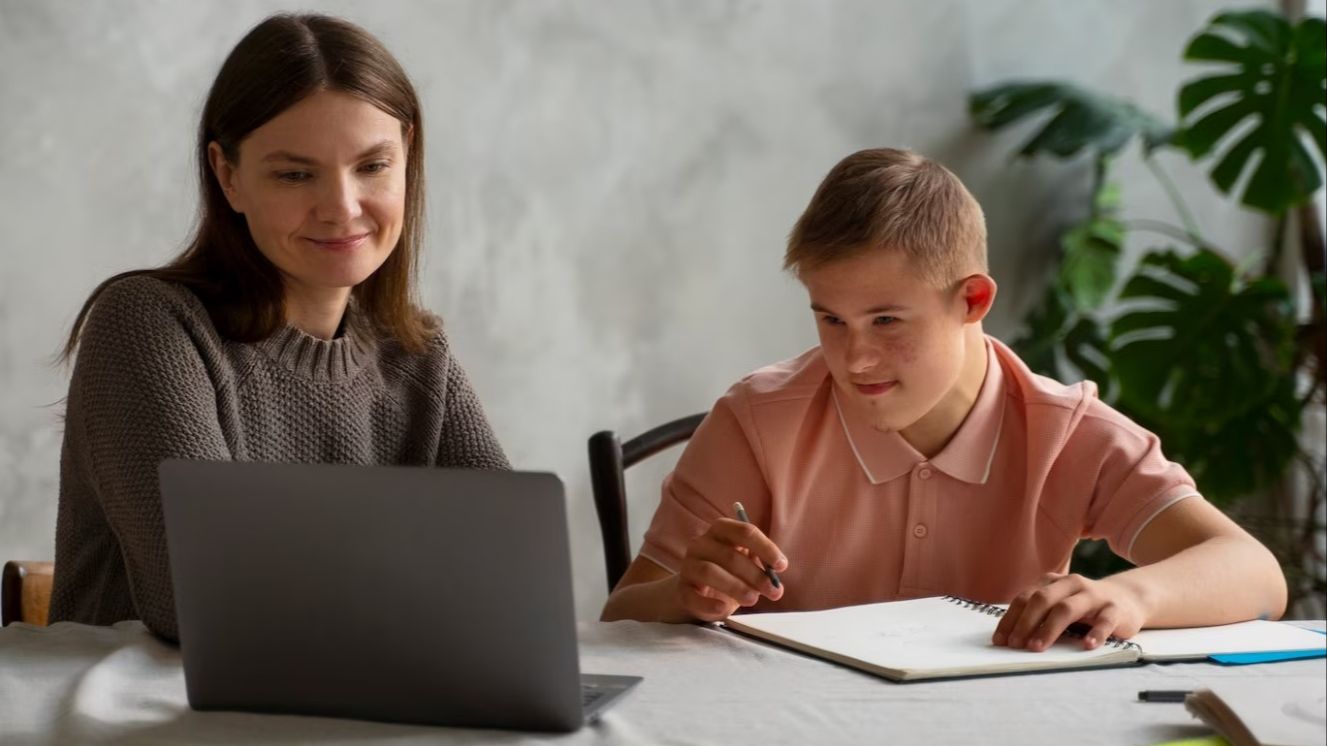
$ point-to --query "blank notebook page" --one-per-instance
(926, 633)
(1244, 637)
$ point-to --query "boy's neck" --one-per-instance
(932, 433)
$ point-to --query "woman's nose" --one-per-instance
(338, 201)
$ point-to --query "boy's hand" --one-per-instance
(1038, 616)
(719, 573)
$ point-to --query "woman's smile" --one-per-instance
(341, 243)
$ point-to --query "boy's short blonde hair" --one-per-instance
(891, 199)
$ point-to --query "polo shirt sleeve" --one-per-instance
(718, 467)
(1134, 479)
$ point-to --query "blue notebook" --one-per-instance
(1234, 644)
(1244, 659)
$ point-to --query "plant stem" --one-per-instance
(1166, 229)
(1307, 541)
(1278, 243)
(1314, 255)
(1098, 181)
(1186, 217)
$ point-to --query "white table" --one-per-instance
(72, 683)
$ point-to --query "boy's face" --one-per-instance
(894, 342)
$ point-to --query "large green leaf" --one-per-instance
(1043, 331)
(1085, 347)
(1199, 348)
(1054, 334)
(1204, 360)
(1091, 251)
(1271, 92)
(1094, 559)
(1060, 329)
(1081, 120)
(1253, 450)
(1242, 454)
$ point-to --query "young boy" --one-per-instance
(911, 455)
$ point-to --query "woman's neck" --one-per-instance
(316, 311)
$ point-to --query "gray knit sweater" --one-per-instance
(154, 380)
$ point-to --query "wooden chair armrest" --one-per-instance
(25, 592)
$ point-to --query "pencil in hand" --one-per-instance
(769, 571)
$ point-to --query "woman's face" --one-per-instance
(322, 186)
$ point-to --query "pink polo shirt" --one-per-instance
(863, 517)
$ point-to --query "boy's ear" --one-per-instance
(978, 294)
(224, 173)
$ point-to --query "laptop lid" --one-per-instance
(406, 594)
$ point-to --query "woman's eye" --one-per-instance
(375, 168)
(293, 177)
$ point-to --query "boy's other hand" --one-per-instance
(719, 573)
(1038, 616)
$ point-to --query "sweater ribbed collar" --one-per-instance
(331, 360)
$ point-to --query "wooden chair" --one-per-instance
(25, 592)
(609, 458)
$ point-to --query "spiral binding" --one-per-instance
(991, 609)
(996, 611)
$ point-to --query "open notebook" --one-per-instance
(944, 637)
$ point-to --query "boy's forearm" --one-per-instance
(1222, 580)
(652, 601)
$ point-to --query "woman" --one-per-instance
(286, 332)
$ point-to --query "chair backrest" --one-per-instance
(25, 592)
(609, 458)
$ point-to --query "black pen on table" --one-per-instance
(769, 571)
(1163, 695)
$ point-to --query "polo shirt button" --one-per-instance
(924, 473)
(919, 531)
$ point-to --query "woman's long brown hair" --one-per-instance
(276, 65)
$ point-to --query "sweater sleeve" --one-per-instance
(467, 438)
(142, 393)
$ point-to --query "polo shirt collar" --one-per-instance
(885, 456)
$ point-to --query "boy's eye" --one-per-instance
(884, 320)
(293, 177)
(831, 320)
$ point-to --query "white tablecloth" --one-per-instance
(75, 684)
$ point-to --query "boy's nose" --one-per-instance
(862, 356)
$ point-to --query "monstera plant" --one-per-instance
(1199, 346)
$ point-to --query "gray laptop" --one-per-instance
(402, 594)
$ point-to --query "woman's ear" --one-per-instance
(225, 175)
(978, 294)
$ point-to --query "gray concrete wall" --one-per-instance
(610, 185)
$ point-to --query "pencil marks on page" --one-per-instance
(900, 633)
(1308, 710)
